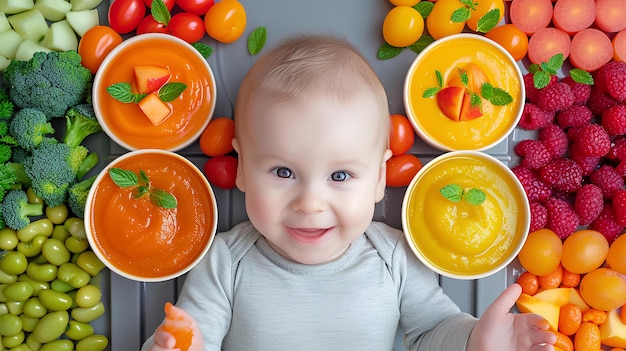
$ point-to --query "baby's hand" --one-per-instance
(178, 332)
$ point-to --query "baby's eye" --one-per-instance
(340, 176)
(283, 172)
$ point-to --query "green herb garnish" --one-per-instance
(256, 40)
(497, 96)
(142, 187)
(542, 73)
(123, 92)
(456, 193)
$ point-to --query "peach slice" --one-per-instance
(155, 109)
(469, 111)
(475, 77)
(150, 78)
(530, 304)
(450, 101)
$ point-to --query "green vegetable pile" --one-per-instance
(49, 277)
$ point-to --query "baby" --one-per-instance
(311, 270)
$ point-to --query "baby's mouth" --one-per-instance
(308, 235)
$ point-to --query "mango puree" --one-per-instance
(144, 240)
(458, 237)
(445, 57)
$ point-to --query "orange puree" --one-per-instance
(142, 239)
(190, 110)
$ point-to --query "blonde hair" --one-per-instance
(307, 65)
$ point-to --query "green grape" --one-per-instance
(51, 326)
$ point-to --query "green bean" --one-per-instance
(13, 340)
(21, 347)
(6, 278)
(15, 307)
(92, 343)
(4, 309)
(55, 252)
(55, 300)
(28, 323)
(37, 285)
(45, 272)
(79, 330)
(76, 245)
(59, 232)
(88, 296)
(32, 248)
(34, 308)
(72, 274)
(76, 227)
(39, 227)
(58, 285)
(89, 262)
(32, 343)
(18, 291)
(14, 262)
(58, 345)
(10, 324)
(88, 314)
(8, 239)
(33, 198)
(51, 326)
(57, 214)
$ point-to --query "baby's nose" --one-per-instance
(309, 200)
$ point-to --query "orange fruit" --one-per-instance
(482, 7)
(622, 315)
(604, 289)
(541, 253)
(569, 279)
(570, 318)
(551, 280)
(179, 324)
(594, 316)
(616, 258)
(528, 282)
(584, 251)
(563, 342)
(587, 337)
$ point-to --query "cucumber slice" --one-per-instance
(60, 37)
(10, 40)
(11, 7)
(4, 23)
(27, 48)
(29, 24)
(53, 10)
(79, 5)
(82, 21)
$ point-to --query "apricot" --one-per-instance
(604, 289)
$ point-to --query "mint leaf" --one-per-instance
(204, 50)
(122, 92)
(486, 91)
(171, 91)
(475, 196)
(461, 15)
(541, 79)
(256, 40)
(422, 42)
(143, 178)
(160, 13)
(500, 97)
(424, 8)
(123, 178)
(452, 192)
(163, 198)
(555, 62)
(534, 68)
(430, 92)
(386, 52)
(141, 191)
(581, 76)
(488, 21)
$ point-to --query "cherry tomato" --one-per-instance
(402, 26)
(401, 134)
(401, 169)
(511, 38)
(125, 15)
(404, 2)
(225, 21)
(439, 22)
(168, 3)
(221, 171)
(149, 25)
(197, 7)
(186, 26)
(481, 8)
(216, 139)
(95, 44)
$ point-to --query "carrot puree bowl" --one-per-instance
(149, 64)
(465, 215)
(140, 237)
(455, 93)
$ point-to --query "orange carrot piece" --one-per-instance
(619, 46)
(531, 15)
(610, 15)
(573, 16)
(546, 43)
(590, 49)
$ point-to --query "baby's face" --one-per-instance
(312, 172)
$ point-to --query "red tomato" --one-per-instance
(225, 21)
(401, 134)
(95, 44)
(401, 169)
(216, 139)
(221, 171)
(149, 25)
(125, 15)
(197, 7)
(168, 3)
(187, 26)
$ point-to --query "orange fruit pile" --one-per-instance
(583, 277)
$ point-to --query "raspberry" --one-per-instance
(614, 120)
(555, 97)
(538, 216)
(599, 101)
(533, 152)
(588, 203)
(618, 149)
(555, 140)
(612, 78)
(529, 85)
(534, 118)
(619, 206)
(562, 219)
(563, 174)
(605, 223)
(535, 189)
(587, 163)
(590, 140)
(581, 91)
(574, 116)
(607, 179)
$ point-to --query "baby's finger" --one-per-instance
(164, 339)
(507, 299)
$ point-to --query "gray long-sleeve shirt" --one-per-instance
(245, 296)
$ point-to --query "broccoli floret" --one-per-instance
(77, 196)
(5, 153)
(8, 178)
(19, 154)
(6, 105)
(81, 122)
(51, 82)
(52, 168)
(29, 128)
(16, 209)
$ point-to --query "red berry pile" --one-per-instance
(574, 172)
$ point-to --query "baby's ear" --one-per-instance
(239, 182)
(382, 177)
